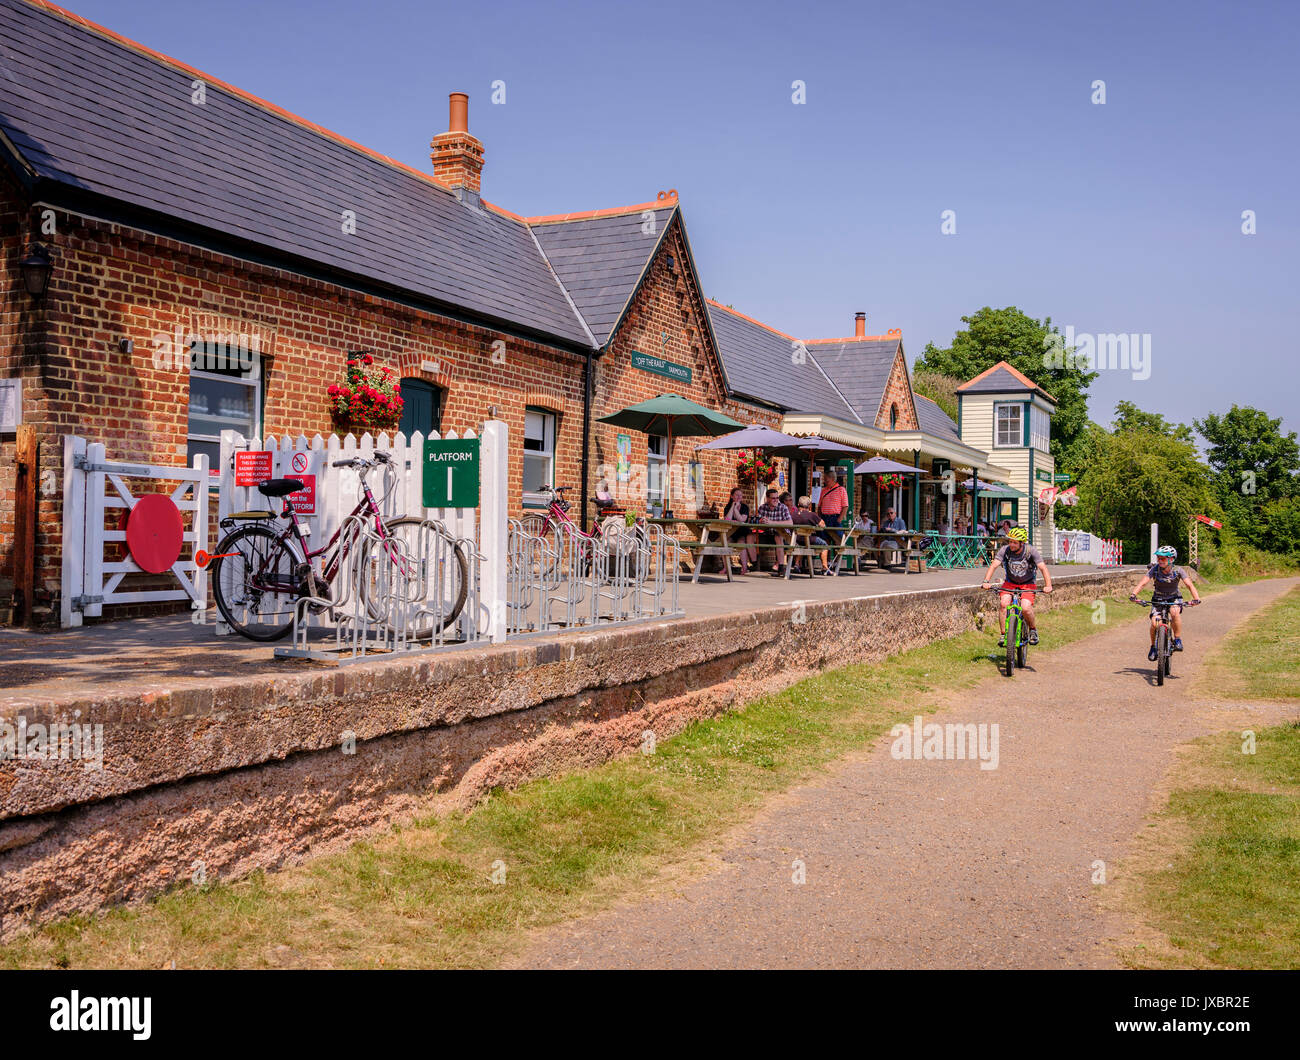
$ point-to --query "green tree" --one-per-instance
(1128, 417)
(1246, 444)
(993, 335)
(941, 389)
(1255, 464)
(1137, 478)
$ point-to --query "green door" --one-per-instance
(421, 407)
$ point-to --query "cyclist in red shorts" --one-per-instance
(1020, 563)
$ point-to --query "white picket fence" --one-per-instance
(399, 492)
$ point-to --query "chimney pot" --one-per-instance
(859, 325)
(459, 119)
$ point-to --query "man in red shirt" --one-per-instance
(833, 502)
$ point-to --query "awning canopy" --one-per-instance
(996, 491)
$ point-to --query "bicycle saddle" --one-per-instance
(279, 487)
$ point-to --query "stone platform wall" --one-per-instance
(256, 773)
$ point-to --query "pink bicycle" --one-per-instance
(259, 573)
(557, 522)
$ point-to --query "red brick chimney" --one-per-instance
(457, 156)
(859, 325)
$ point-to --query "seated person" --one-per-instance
(805, 516)
(892, 522)
(865, 522)
(773, 511)
(737, 511)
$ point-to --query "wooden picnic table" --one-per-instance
(714, 539)
(908, 545)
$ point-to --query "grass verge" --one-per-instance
(1224, 881)
(422, 895)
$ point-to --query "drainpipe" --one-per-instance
(588, 381)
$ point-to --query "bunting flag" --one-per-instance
(1069, 497)
(1047, 495)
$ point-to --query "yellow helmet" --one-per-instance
(1018, 533)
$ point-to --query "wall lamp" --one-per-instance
(36, 269)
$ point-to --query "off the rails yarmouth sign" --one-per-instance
(659, 366)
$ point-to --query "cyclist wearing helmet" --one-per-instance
(1166, 579)
(1021, 563)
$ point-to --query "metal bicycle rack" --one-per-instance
(393, 595)
(565, 580)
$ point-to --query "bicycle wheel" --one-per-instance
(442, 572)
(1169, 652)
(1022, 654)
(544, 561)
(1013, 635)
(1162, 647)
(249, 584)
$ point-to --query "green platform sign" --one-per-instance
(659, 366)
(451, 473)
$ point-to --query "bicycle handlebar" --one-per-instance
(361, 462)
(1165, 603)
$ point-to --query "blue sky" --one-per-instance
(1122, 217)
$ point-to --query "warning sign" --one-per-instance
(304, 501)
(252, 468)
(299, 463)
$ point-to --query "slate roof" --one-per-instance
(760, 363)
(601, 259)
(933, 420)
(1000, 379)
(95, 113)
(860, 369)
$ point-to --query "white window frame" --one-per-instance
(253, 381)
(655, 462)
(550, 428)
(998, 423)
(1040, 429)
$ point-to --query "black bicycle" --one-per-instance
(1164, 633)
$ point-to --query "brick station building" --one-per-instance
(177, 210)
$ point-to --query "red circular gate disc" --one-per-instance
(154, 533)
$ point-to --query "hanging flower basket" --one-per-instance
(890, 481)
(368, 398)
(753, 468)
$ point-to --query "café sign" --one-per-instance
(659, 366)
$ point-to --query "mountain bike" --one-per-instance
(1164, 633)
(1017, 630)
(259, 573)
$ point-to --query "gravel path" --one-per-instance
(930, 864)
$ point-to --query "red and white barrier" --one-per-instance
(1112, 553)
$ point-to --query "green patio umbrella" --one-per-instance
(671, 414)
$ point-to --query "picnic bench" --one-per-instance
(714, 538)
(907, 547)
